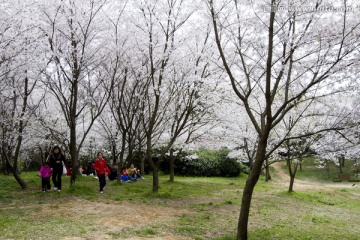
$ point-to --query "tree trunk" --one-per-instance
(154, 166)
(4, 167)
(113, 153)
(15, 157)
(16, 174)
(267, 171)
(288, 164)
(72, 149)
(142, 166)
(292, 173)
(73, 105)
(242, 231)
(155, 179)
(342, 161)
(73, 153)
(172, 165)
(291, 185)
(122, 150)
(340, 168)
(22, 183)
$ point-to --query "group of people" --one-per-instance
(103, 172)
(90, 171)
(54, 168)
(130, 174)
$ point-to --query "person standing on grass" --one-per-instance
(57, 160)
(101, 168)
(45, 173)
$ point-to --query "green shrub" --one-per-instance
(244, 169)
(229, 167)
(336, 179)
(204, 162)
(354, 178)
(202, 167)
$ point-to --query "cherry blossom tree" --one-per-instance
(337, 147)
(162, 32)
(127, 108)
(279, 58)
(19, 73)
(75, 75)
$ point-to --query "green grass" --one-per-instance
(310, 172)
(203, 208)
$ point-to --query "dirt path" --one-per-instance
(282, 177)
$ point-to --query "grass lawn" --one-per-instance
(331, 173)
(189, 208)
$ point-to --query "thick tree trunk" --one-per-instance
(16, 174)
(242, 231)
(155, 179)
(245, 209)
(172, 165)
(22, 183)
(4, 166)
(73, 153)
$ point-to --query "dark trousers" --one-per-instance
(132, 177)
(56, 178)
(102, 181)
(45, 183)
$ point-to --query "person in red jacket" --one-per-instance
(101, 167)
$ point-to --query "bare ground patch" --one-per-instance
(112, 217)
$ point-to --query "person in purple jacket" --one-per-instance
(45, 173)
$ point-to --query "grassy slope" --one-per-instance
(214, 204)
(311, 172)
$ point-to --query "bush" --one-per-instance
(204, 163)
(354, 178)
(244, 168)
(229, 167)
(201, 167)
(336, 179)
(33, 166)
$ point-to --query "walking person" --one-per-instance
(45, 173)
(101, 167)
(57, 160)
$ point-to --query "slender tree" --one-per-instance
(162, 29)
(291, 61)
(19, 70)
(75, 74)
